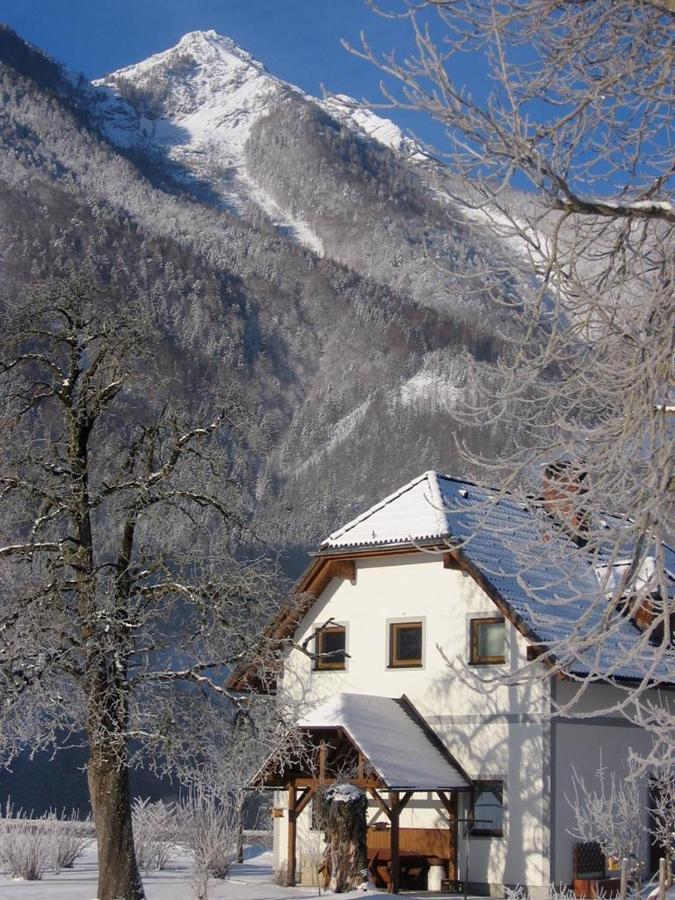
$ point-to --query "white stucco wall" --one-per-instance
(494, 731)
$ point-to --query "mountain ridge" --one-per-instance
(349, 377)
(197, 103)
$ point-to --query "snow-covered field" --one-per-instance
(252, 880)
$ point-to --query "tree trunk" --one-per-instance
(344, 814)
(118, 875)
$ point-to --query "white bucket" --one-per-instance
(435, 877)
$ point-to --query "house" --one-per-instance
(416, 613)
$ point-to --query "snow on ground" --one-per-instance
(433, 389)
(252, 880)
(518, 235)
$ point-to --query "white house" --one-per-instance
(415, 611)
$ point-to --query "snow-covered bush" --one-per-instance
(26, 844)
(70, 834)
(662, 811)
(154, 833)
(210, 827)
(555, 892)
(611, 813)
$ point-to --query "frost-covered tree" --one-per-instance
(566, 151)
(124, 600)
(609, 812)
(662, 810)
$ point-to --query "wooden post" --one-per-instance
(662, 879)
(394, 806)
(292, 834)
(450, 804)
(322, 763)
(623, 890)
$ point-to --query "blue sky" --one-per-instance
(298, 40)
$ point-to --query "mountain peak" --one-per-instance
(213, 54)
(205, 45)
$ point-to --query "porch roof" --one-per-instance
(400, 746)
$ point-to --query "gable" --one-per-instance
(537, 578)
(413, 513)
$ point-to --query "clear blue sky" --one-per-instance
(298, 40)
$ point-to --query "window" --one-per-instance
(405, 644)
(488, 808)
(331, 646)
(488, 641)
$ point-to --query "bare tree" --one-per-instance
(124, 607)
(566, 154)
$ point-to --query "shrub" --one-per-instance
(210, 828)
(154, 833)
(70, 835)
(26, 844)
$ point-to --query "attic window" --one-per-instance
(488, 641)
(405, 644)
(331, 646)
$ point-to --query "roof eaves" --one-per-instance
(440, 541)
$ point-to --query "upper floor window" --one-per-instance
(331, 647)
(488, 641)
(488, 808)
(405, 644)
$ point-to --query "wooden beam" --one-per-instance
(447, 803)
(292, 834)
(307, 795)
(394, 845)
(450, 560)
(404, 800)
(343, 568)
(365, 784)
(450, 804)
(380, 802)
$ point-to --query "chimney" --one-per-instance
(564, 490)
(644, 615)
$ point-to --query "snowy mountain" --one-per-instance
(196, 180)
(328, 174)
(196, 105)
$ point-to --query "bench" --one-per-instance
(590, 878)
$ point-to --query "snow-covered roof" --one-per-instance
(413, 513)
(547, 581)
(390, 734)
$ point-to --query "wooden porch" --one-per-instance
(397, 857)
(408, 760)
